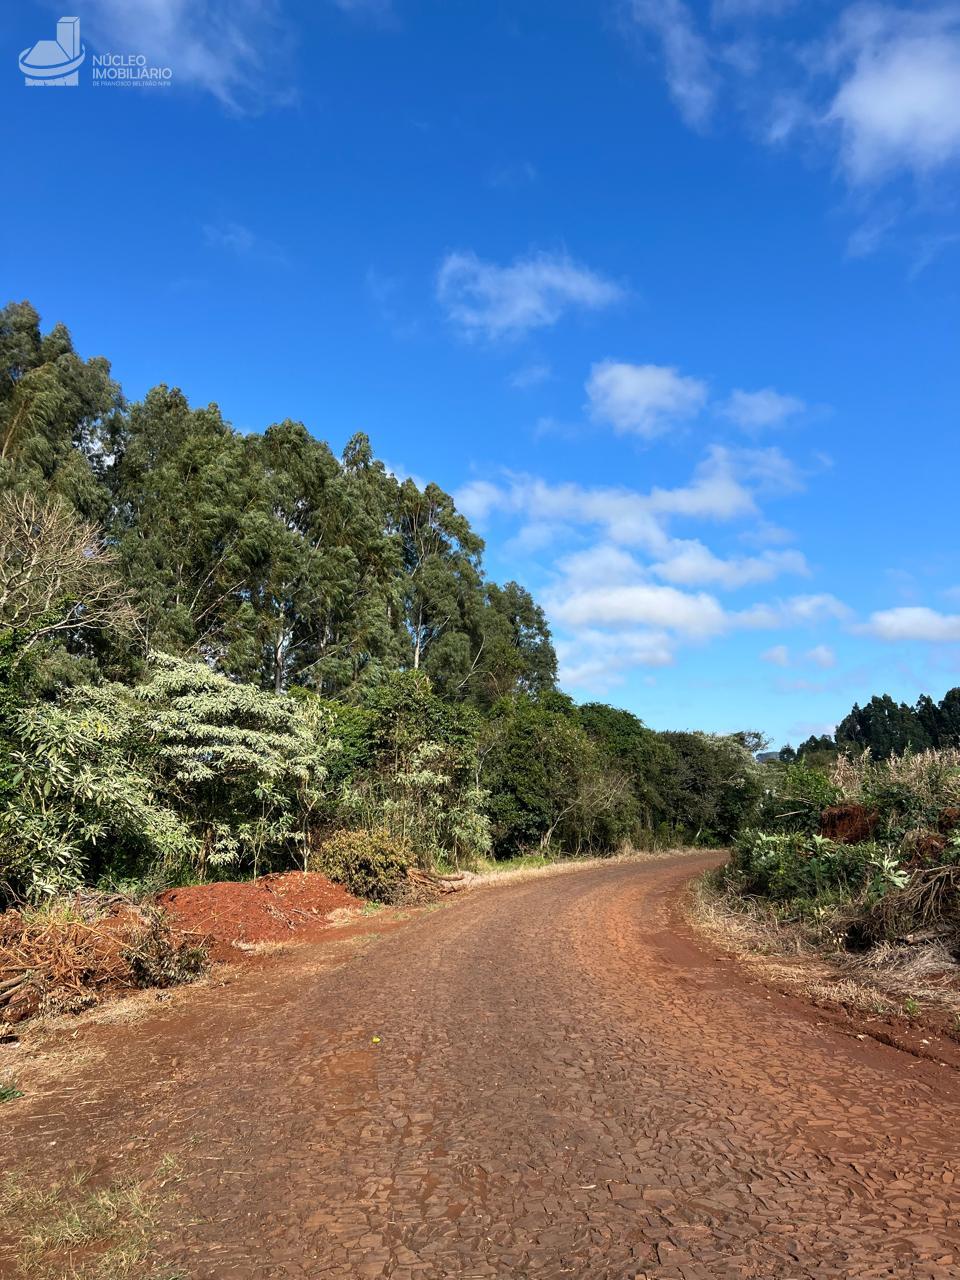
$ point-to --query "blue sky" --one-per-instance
(666, 293)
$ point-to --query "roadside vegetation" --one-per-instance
(226, 654)
(857, 858)
(75, 1230)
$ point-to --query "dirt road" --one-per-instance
(565, 1084)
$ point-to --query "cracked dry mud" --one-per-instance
(566, 1084)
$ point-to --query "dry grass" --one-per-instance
(65, 956)
(495, 873)
(261, 948)
(900, 979)
(73, 1231)
(932, 777)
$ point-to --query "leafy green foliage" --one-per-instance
(712, 789)
(549, 783)
(245, 768)
(53, 413)
(901, 880)
(802, 868)
(81, 794)
(885, 728)
(371, 864)
(796, 800)
(422, 784)
(217, 649)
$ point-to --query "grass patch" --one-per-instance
(522, 862)
(807, 953)
(73, 1231)
(530, 864)
(9, 1092)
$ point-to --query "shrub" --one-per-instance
(158, 959)
(787, 868)
(797, 799)
(82, 795)
(909, 792)
(371, 864)
(420, 784)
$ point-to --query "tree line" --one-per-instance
(216, 648)
(888, 728)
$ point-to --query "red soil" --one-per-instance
(231, 916)
(848, 823)
(551, 1078)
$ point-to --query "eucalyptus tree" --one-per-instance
(322, 583)
(183, 505)
(515, 653)
(442, 584)
(53, 407)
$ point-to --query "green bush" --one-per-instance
(797, 867)
(371, 864)
(797, 799)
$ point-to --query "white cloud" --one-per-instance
(868, 237)
(536, 535)
(576, 606)
(691, 564)
(754, 410)
(491, 301)
(786, 114)
(602, 565)
(522, 174)
(477, 498)
(764, 533)
(630, 598)
(232, 236)
(696, 616)
(233, 49)
(929, 250)
(597, 660)
(797, 611)
(872, 85)
(914, 623)
(821, 655)
(899, 104)
(645, 399)
(239, 240)
(686, 57)
(723, 488)
(778, 656)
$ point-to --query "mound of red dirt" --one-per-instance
(232, 916)
(848, 823)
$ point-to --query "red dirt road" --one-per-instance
(565, 1084)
